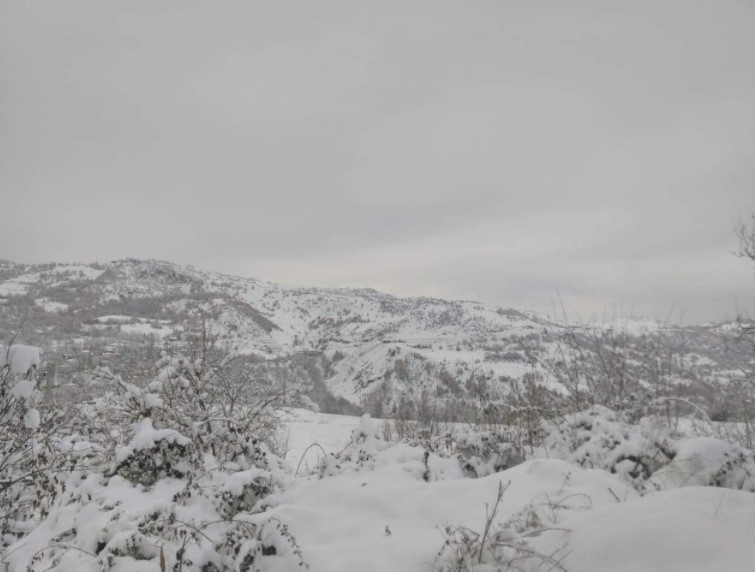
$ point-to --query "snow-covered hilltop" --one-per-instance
(83, 314)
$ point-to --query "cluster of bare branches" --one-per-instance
(746, 236)
(210, 394)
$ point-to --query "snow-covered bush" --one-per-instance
(209, 523)
(479, 452)
(646, 455)
(210, 403)
(482, 453)
(153, 455)
(189, 474)
(707, 461)
(30, 455)
(603, 439)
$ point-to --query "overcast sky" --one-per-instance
(494, 151)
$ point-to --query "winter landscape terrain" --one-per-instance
(159, 417)
(337, 285)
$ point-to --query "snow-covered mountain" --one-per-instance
(83, 314)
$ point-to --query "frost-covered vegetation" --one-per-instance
(173, 474)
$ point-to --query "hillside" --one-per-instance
(349, 341)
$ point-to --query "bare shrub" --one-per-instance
(421, 415)
(211, 396)
(503, 547)
(640, 374)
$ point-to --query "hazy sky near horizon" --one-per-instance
(489, 150)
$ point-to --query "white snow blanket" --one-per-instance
(386, 509)
(340, 522)
(599, 522)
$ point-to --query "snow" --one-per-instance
(603, 523)
(82, 271)
(236, 482)
(699, 460)
(145, 329)
(689, 529)
(358, 506)
(146, 436)
(23, 389)
(91, 524)
(305, 427)
(51, 305)
(377, 509)
(135, 325)
(115, 318)
(31, 419)
(18, 286)
(19, 357)
(367, 425)
(340, 509)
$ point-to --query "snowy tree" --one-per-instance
(185, 475)
(29, 455)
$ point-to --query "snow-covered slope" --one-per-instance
(363, 331)
(82, 314)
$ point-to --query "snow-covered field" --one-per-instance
(584, 519)
(305, 428)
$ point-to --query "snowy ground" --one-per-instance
(306, 428)
(590, 520)
(391, 506)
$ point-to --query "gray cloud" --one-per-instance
(481, 150)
